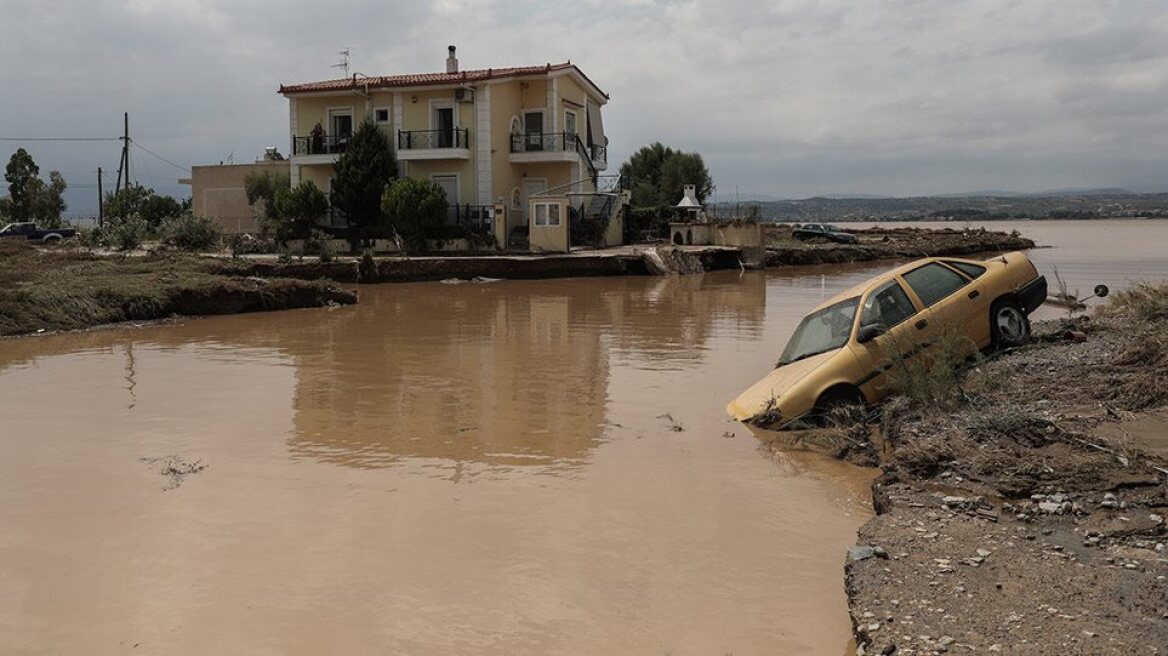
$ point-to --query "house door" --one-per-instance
(533, 128)
(341, 124)
(531, 186)
(449, 184)
(570, 123)
(444, 123)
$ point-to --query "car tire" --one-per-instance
(1009, 325)
(836, 397)
(49, 239)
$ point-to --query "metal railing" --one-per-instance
(477, 219)
(321, 144)
(610, 184)
(543, 142)
(424, 139)
(599, 153)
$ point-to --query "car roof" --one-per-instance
(859, 289)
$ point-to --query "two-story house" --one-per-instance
(488, 137)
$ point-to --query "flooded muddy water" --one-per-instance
(513, 467)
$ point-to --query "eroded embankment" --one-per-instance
(888, 244)
(1027, 515)
(630, 261)
(59, 290)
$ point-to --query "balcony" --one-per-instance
(319, 149)
(554, 147)
(433, 144)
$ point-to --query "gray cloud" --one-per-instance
(787, 98)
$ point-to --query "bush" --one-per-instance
(123, 234)
(416, 208)
(192, 233)
(933, 376)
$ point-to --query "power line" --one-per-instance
(60, 138)
(185, 169)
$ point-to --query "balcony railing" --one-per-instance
(321, 144)
(543, 142)
(599, 153)
(477, 219)
(426, 139)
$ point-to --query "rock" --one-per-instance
(945, 641)
(1050, 507)
(953, 501)
(856, 554)
(983, 553)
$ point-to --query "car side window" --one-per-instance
(974, 271)
(933, 282)
(887, 306)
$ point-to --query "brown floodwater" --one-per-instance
(475, 468)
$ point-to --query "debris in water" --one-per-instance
(175, 468)
(674, 425)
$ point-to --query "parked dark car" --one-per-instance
(823, 231)
(31, 232)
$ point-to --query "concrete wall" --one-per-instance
(218, 192)
(744, 234)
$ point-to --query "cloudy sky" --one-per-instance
(786, 98)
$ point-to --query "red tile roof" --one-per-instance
(429, 79)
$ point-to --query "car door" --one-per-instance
(950, 302)
(977, 322)
(889, 307)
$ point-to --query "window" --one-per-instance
(887, 306)
(547, 215)
(933, 282)
(381, 115)
(570, 122)
(974, 271)
(826, 330)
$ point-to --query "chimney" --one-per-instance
(451, 61)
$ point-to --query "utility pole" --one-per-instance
(124, 164)
(100, 201)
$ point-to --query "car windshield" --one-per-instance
(822, 331)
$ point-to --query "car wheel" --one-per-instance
(834, 399)
(1009, 325)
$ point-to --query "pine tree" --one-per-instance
(360, 177)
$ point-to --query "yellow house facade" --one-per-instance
(521, 138)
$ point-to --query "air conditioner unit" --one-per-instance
(464, 95)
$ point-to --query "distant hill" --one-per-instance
(978, 206)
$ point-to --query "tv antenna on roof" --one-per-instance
(344, 63)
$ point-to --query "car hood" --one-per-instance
(758, 397)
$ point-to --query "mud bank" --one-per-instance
(51, 291)
(1028, 517)
(888, 244)
(616, 262)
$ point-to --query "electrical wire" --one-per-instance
(185, 169)
(60, 138)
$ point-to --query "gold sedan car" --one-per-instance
(842, 351)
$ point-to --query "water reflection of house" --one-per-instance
(470, 373)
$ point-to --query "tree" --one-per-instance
(47, 201)
(414, 208)
(657, 175)
(298, 209)
(142, 201)
(261, 190)
(20, 174)
(360, 177)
